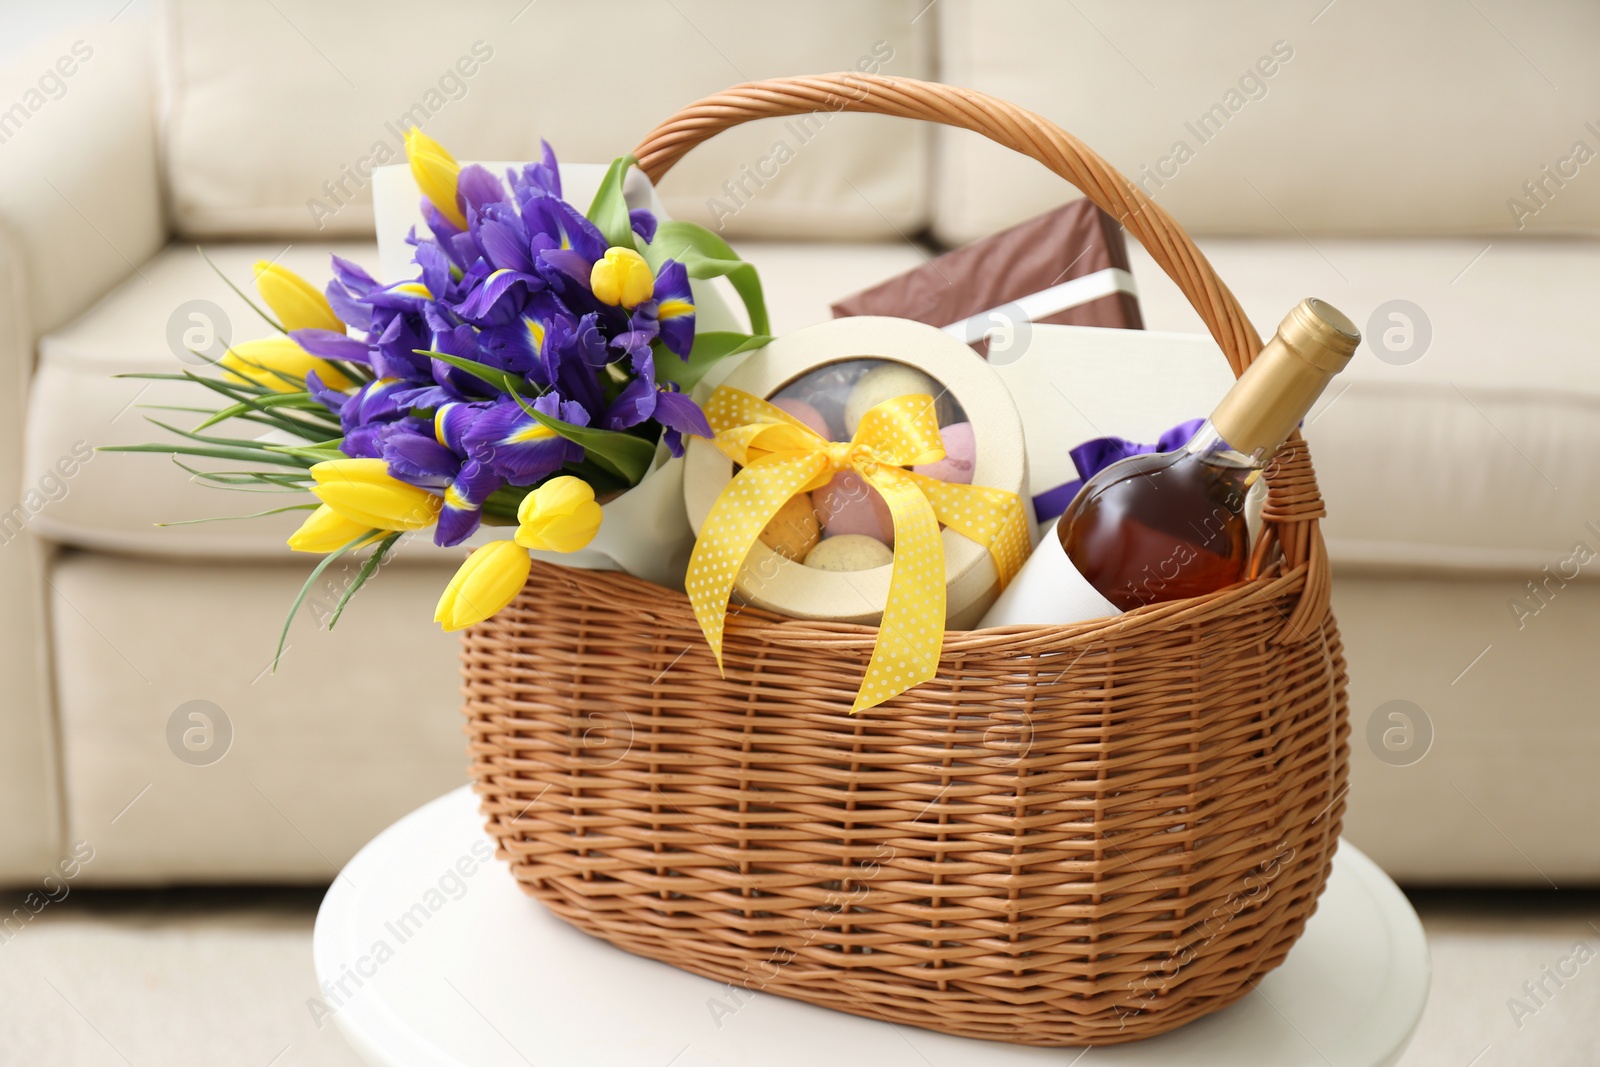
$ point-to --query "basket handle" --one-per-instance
(1293, 509)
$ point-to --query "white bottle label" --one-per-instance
(1048, 591)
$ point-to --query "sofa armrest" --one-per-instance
(80, 192)
(80, 209)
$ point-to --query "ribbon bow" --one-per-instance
(1096, 454)
(781, 456)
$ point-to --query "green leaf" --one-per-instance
(240, 442)
(259, 455)
(252, 396)
(258, 410)
(310, 431)
(310, 455)
(368, 568)
(609, 209)
(708, 349)
(246, 481)
(626, 456)
(325, 449)
(231, 518)
(294, 401)
(274, 323)
(311, 579)
(288, 483)
(248, 443)
(705, 255)
(504, 381)
(295, 383)
(246, 397)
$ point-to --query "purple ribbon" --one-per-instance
(1095, 455)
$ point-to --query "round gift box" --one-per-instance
(771, 581)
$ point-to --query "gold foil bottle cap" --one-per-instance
(1320, 334)
(1313, 343)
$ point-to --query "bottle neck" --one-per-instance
(1209, 444)
(1229, 467)
(1268, 401)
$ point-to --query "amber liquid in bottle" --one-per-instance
(1164, 526)
(1151, 528)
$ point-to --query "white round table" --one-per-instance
(429, 954)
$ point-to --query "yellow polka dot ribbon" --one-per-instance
(781, 456)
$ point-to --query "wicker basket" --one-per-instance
(1073, 835)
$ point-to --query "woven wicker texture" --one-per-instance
(1073, 835)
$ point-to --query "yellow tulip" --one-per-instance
(279, 364)
(435, 172)
(489, 580)
(296, 302)
(622, 277)
(559, 516)
(325, 530)
(363, 491)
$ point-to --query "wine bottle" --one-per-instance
(1169, 525)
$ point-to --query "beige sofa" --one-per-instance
(1363, 156)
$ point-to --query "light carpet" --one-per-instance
(206, 977)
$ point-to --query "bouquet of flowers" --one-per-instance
(528, 373)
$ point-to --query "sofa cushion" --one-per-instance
(1474, 449)
(355, 728)
(276, 112)
(1509, 710)
(112, 501)
(1251, 118)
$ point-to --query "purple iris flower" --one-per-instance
(436, 273)
(431, 455)
(394, 350)
(643, 398)
(332, 399)
(476, 188)
(517, 447)
(499, 298)
(503, 238)
(574, 353)
(519, 346)
(454, 339)
(416, 457)
(368, 441)
(678, 415)
(643, 222)
(635, 341)
(457, 243)
(330, 344)
(347, 292)
(574, 245)
(674, 308)
(536, 179)
(567, 224)
(376, 401)
(452, 420)
(462, 512)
